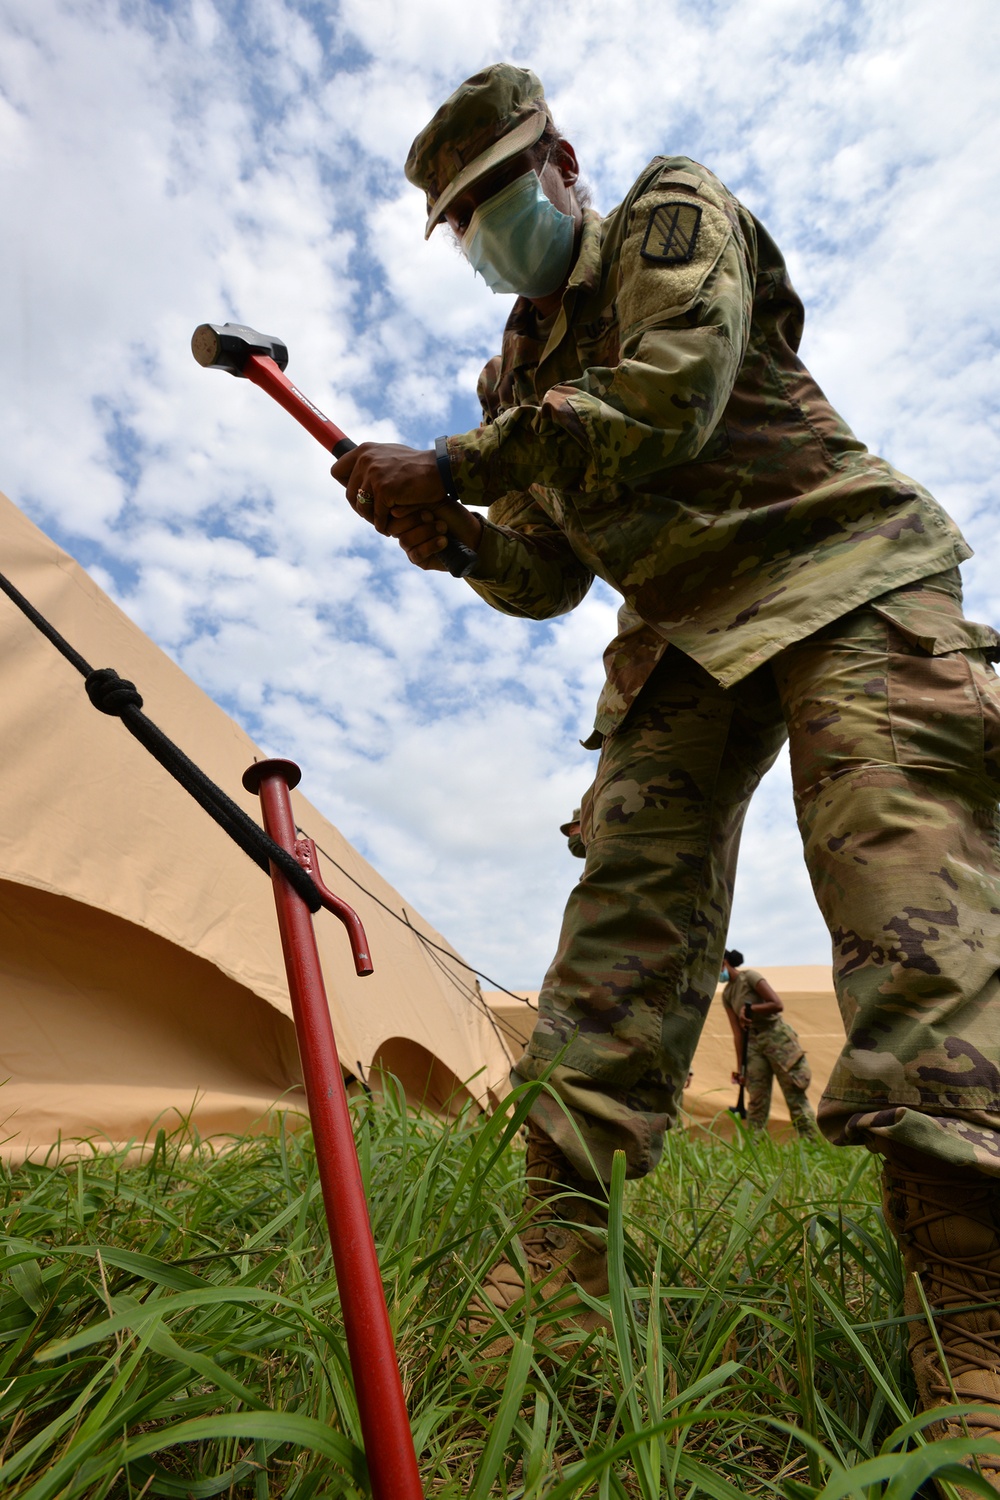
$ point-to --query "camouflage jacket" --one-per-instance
(664, 435)
(783, 1040)
(741, 990)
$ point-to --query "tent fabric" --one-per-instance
(140, 963)
(810, 1006)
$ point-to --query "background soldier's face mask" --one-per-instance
(518, 240)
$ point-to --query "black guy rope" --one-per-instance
(117, 696)
(426, 941)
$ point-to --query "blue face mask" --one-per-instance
(518, 240)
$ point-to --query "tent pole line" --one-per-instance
(385, 1426)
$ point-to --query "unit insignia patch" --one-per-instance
(671, 234)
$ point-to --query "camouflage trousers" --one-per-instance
(774, 1052)
(893, 718)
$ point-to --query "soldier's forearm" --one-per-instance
(535, 577)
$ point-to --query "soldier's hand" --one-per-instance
(738, 1079)
(423, 534)
(379, 477)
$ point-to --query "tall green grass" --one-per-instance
(173, 1328)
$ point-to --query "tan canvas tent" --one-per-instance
(141, 976)
(810, 1006)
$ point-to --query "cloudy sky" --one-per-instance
(163, 164)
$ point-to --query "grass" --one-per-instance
(172, 1328)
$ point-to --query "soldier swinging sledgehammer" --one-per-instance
(648, 421)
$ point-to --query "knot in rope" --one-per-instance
(110, 693)
(115, 695)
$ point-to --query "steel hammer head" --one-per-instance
(228, 346)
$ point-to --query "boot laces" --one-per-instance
(537, 1251)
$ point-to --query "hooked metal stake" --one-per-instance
(385, 1425)
(305, 853)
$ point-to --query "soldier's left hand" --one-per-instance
(423, 534)
(388, 476)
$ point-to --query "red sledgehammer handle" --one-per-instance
(260, 357)
(263, 371)
(385, 1426)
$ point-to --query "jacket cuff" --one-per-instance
(522, 447)
(472, 454)
(496, 555)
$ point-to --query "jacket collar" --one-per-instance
(522, 344)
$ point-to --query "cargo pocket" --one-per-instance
(944, 709)
(987, 684)
(929, 614)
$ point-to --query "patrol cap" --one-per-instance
(573, 822)
(490, 118)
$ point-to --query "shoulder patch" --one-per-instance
(670, 177)
(671, 249)
(672, 234)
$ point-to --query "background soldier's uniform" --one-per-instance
(773, 1051)
(778, 580)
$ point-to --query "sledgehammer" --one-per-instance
(262, 358)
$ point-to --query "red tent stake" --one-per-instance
(385, 1426)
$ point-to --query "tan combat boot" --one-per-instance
(948, 1229)
(560, 1249)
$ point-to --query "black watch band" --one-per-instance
(444, 467)
(458, 558)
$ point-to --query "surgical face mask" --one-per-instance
(518, 240)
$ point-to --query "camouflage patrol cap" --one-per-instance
(574, 822)
(491, 117)
(574, 835)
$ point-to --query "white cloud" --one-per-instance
(430, 280)
(164, 165)
(446, 37)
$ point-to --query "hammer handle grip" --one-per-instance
(458, 558)
(263, 371)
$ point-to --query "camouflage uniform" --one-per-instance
(664, 436)
(773, 1051)
(778, 579)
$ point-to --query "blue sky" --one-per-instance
(166, 164)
